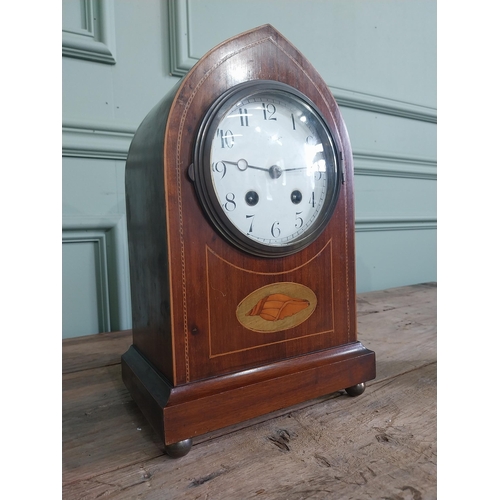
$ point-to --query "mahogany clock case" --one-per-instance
(195, 364)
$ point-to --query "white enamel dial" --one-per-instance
(272, 169)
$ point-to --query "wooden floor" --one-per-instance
(380, 445)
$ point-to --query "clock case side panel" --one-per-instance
(350, 250)
(147, 240)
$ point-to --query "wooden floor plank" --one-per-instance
(381, 445)
(94, 351)
(102, 428)
(110, 450)
(392, 298)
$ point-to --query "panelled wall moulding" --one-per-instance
(95, 41)
(84, 140)
(365, 224)
(98, 238)
(181, 61)
(110, 232)
(390, 165)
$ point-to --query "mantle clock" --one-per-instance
(240, 213)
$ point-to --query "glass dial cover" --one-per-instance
(266, 168)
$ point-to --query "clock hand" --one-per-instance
(274, 171)
(243, 165)
(297, 168)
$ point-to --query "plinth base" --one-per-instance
(183, 412)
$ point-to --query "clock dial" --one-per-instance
(267, 171)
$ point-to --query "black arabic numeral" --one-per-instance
(299, 221)
(219, 167)
(312, 201)
(251, 223)
(230, 204)
(275, 230)
(226, 138)
(269, 110)
(243, 117)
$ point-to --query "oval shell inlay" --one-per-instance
(276, 307)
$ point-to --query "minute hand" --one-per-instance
(297, 168)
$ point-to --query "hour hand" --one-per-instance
(242, 165)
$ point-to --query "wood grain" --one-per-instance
(298, 456)
(379, 445)
(95, 351)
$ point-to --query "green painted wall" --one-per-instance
(121, 56)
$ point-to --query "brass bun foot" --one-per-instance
(180, 449)
(356, 390)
